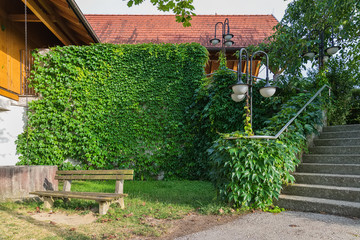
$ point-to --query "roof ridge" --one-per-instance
(162, 15)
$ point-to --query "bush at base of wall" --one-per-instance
(113, 106)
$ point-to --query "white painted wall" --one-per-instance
(12, 122)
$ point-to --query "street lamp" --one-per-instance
(241, 89)
(226, 35)
(324, 54)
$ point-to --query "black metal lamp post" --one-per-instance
(241, 89)
(324, 54)
(226, 35)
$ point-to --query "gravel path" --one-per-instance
(286, 225)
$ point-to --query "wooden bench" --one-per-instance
(104, 199)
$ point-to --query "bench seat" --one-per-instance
(104, 199)
(81, 195)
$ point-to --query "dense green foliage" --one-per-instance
(114, 106)
(251, 172)
(301, 28)
(342, 80)
(214, 112)
(183, 9)
(354, 115)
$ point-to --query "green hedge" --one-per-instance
(114, 106)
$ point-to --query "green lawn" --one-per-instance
(149, 210)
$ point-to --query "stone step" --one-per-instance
(342, 128)
(310, 204)
(331, 158)
(335, 150)
(337, 142)
(345, 169)
(345, 134)
(321, 191)
(327, 179)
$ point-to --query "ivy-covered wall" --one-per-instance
(114, 106)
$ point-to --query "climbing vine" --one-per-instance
(110, 106)
(251, 172)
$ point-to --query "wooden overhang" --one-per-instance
(62, 18)
(50, 23)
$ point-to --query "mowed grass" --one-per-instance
(149, 210)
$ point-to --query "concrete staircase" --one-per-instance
(328, 179)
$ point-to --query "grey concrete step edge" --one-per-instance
(322, 191)
(309, 204)
(335, 150)
(346, 169)
(335, 135)
(331, 158)
(337, 142)
(341, 128)
(338, 180)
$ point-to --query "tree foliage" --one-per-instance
(301, 31)
(183, 9)
(300, 28)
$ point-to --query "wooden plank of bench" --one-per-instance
(95, 177)
(100, 172)
(81, 195)
(78, 193)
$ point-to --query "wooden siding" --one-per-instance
(213, 65)
(11, 41)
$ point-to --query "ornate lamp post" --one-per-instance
(226, 35)
(241, 89)
(324, 54)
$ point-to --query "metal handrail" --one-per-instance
(289, 122)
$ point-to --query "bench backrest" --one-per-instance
(125, 174)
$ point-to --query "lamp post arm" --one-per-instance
(226, 23)
(321, 49)
(216, 26)
(240, 73)
(332, 36)
(267, 62)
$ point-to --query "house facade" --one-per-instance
(46, 23)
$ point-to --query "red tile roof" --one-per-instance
(131, 29)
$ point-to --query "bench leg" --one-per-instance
(48, 202)
(103, 207)
(120, 202)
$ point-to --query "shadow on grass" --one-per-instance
(190, 193)
(61, 233)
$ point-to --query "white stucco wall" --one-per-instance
(12, 122)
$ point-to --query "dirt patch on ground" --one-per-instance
(191, 223)
(195, 223)
(62, 218)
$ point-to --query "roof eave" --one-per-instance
(83, 20)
